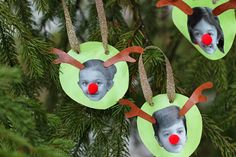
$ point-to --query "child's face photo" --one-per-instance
(165, 135)
(95, 80)
(170, 129)
(204, 28)
(89, 78)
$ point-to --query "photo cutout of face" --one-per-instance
(95, 80)
(205, 30)
(170, 129)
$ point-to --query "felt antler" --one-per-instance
(178, 3)
(135, 111)
(63, 57)
(123, 56)
(196, 97)
(231, 4)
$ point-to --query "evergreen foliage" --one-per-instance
(58, 126)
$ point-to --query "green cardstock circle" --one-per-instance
(227, 22)
(69, 76)
(193, 121)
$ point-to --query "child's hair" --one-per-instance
(97, 65)
(205, 13)
(167, 117)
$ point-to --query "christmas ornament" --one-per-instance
(93, 78)
(207, 26)
(94, 74)
(172, 135)
(169, 125)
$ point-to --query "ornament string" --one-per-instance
(170, 87)
(103, 24)
(74, 42)
(146, 88)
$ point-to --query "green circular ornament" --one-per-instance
(227, 24)
(193, 123)
(69, 76)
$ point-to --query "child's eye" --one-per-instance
(211, 33)
(166, 134)
(99, 83)
(84, 83)
(180, 131)
(197, 34)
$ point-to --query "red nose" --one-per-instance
(92, 88)
(206, 39)
(174, 139)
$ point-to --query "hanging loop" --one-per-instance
(103, 24)
(146, 88)
(74, 42)
(170, 85)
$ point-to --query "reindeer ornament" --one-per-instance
(210, 27)
(177, 132)
(93, 78)
(169, 125)
(94, 74)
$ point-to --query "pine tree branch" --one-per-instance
(214, 134)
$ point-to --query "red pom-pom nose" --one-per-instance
(174, 139)
(92, 88)
(206, 39)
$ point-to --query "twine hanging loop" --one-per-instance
(103, 24)
(170, 86)
(74, 42)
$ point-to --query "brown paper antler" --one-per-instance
(135, 111)
(231, 4)
(63, 57)
(124, 56)
(195, 98)
(121, 56)
(178, 3)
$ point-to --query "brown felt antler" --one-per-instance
(135, 111)
(195, 98)
(124, 56)
(178, 3)
(63, 57)
(231, 4)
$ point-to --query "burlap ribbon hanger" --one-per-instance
(147, 91)
(103, 24)
(74, 42)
